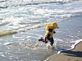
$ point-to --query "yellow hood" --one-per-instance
(52, 25)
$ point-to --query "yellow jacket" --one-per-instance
(52, 25)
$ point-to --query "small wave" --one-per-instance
(35, 2)
(76, 42)
(62, 45)
(4, 33)
(3, 7)
(3, 4)
(2, 1)
(2, 24)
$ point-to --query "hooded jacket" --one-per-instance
(49, 29)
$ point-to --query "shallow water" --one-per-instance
(28, 21)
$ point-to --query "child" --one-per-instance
(49, 31)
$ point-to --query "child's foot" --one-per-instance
(41, 39)
(50, 47)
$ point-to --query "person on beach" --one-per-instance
(49, 31)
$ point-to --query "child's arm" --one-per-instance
(51, 30)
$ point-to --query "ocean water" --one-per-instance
(27, 18)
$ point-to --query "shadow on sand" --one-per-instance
(73, 53)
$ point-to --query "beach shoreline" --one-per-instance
(70, 55)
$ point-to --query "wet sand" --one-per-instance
(71, 55)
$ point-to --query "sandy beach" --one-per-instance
(72, 55)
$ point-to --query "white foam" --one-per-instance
(14, 2)
(57, 11)
(12, 20)
(62, 13)
(76, 42)
(7, 43)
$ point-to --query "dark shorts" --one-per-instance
(51, 41)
